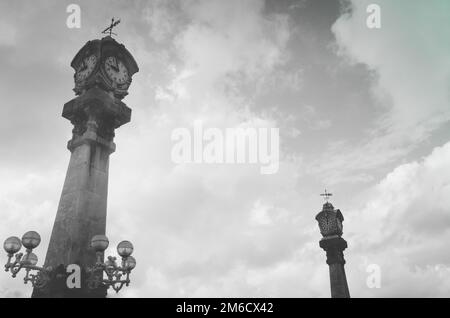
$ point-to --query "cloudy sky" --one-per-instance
(363, 112)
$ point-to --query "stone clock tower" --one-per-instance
(103, 72)
(330, 224)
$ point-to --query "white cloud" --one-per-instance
(160, 16)
(8, 34)
(229, 42)
(409, 58)
(24, 206)
(404, 227)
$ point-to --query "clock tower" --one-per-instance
(330, 225)
(103, 74)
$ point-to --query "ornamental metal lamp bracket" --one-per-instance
(38, 276)
(116, 275)
(101, 275)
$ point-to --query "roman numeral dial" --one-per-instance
(116, 70)
(85, 68)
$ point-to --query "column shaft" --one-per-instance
(82, 207)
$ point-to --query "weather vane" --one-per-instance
(110, 28)
(326, 195)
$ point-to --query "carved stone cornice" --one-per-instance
(334, 246)
(95, 115)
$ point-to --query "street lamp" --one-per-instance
(116, 275)
(27, 261)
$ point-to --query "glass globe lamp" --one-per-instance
(31, 239)
(12, 245)
(30, 259)
(125, 248)
(130, 263)
(99, 243)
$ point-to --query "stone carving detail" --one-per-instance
(106, 129)
(79, 126)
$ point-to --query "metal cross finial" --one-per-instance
(326, 195)
(110, 28)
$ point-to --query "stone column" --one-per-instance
(81, 212)
(334, 246)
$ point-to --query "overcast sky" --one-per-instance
(363, 112)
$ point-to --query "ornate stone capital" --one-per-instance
(334, 246)
(95, 115)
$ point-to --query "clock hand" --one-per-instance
(116, 69)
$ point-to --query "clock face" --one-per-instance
(116, 70)
(86, 68)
